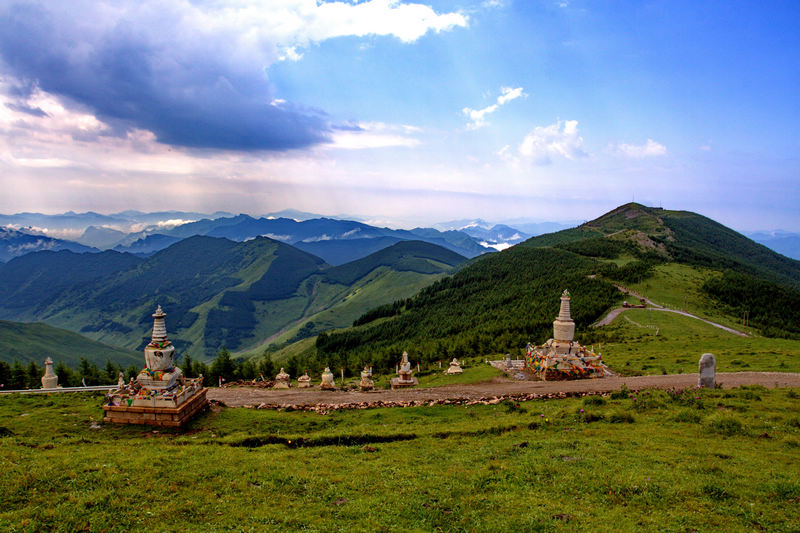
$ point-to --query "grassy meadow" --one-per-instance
(649, 460)
(642, 341)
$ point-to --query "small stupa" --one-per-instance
(404, 378)
(304, 381)
(50, 379)
(366, 382)
(562, 358)
(282, 380)
(454, 368)
(327, 380)
(160, 395)
(159, 356)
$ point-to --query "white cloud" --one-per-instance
(375, 135)
(649, 149)
(477, 117)
(561, 139)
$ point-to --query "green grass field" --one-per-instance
(641, 341)
(709, 460)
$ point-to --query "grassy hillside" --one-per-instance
(36, 342)
(497, 304)
(681, 237)
(494, 305)
(215, 291)
(711, 460)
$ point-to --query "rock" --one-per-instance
(707, 371)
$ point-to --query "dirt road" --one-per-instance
(246, 396)
(614, 313)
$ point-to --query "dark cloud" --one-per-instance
(33, 111)
(187, 90)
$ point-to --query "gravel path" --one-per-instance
(251, 396)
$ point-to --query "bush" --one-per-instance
(726, 425)
(620, 417)
(594, 400)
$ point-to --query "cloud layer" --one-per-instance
(193, 74)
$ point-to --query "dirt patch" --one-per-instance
(489, 392)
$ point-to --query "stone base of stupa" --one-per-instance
(560, 361)
(366, 384)
(156, 407)
(399, 383)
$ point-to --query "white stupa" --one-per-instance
(159, 356)
(561, 357)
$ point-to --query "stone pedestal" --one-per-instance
(404, 378)
(707, 371)
(454, 368)
(282, 380)
(366, 382)
(50, 379)
(304, 381)
(327, 380)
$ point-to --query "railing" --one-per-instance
(61, 389)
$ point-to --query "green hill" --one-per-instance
(677, 236)
(498, 303)
(26, 342)
(215, 291)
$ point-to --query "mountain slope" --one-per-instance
(215, 291)
(36, 342)
(499, 302)
(15, 243)
(683, 237)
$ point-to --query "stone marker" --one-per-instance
(50, 379)
(304, 381)
(366, 379)
(327, 380)
(707, 371)
(282, 380)
(455, 367)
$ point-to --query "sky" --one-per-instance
(403, 112)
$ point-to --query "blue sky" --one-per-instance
(405, 113)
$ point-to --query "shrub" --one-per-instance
(621, 394)
(726, 425)
(594, 400)
(619, 417)
(686, 415)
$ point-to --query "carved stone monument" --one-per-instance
(366, 382)
(50, 379)
(304, 381)
(707, 371)
(160, 395)
(327, 380)
(562, 358)
(454, 368)
(404, 378)
(282, 380)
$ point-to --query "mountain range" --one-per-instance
(216, 291)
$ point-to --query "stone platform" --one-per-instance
(164, 414)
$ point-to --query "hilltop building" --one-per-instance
(561, 358)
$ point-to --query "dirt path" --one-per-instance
(614, 313)
(246, 396)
